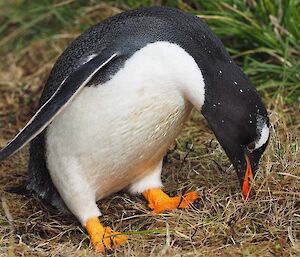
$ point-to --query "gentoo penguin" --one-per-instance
(116, 99)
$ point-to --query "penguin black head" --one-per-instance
(237, 116)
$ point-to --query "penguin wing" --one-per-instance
(66, 91)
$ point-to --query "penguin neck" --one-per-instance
(225, 86)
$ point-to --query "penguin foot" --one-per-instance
(103, 238)
(160, 201)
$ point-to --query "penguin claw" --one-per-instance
(187, 199)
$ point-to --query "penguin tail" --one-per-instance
(19, 190)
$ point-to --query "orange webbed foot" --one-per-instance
(103, 238)
(160, 202)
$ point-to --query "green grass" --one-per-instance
(263, 36)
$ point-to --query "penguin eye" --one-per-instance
(251, 146)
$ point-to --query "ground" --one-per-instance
(221, 224)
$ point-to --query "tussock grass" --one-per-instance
(221, 224)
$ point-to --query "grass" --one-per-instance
(263, 36)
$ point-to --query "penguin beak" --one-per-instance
(247, 180)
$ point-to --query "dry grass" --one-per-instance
(221, 225)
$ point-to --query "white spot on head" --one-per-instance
(219, 103)
(220, 71)
(241, 90)
(264, 135)
(235, 82)
(214, 105)
(262, 132)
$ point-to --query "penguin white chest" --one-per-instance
(113, 134)
(114, 138)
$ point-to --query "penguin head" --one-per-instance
(239, 120)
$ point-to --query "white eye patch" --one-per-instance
(264, 135)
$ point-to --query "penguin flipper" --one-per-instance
(67, 90)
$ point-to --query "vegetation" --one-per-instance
(264, 38)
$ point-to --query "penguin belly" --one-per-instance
(112, 135)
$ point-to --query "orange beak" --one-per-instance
(248, 176)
